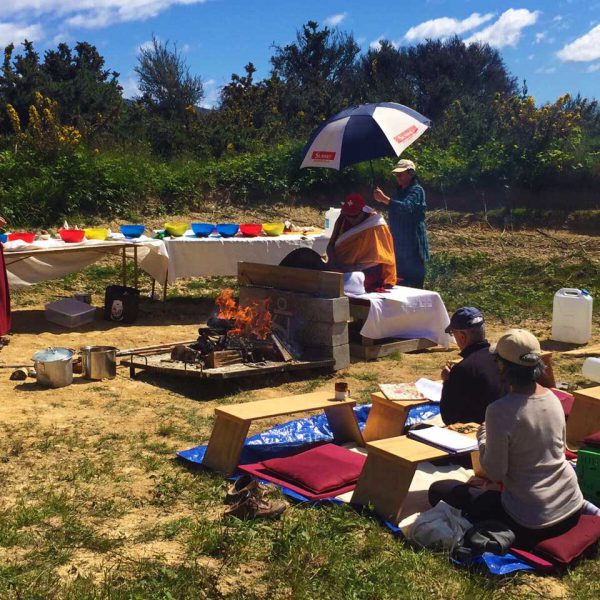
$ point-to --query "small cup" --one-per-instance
(341, 390)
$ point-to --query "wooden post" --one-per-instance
(124, 266)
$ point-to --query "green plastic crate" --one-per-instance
(588, 473)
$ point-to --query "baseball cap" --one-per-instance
(404, 165)
(465, 318)
(518, 346)
(353, 204)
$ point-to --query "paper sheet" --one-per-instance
(446, 439)
(432, 390)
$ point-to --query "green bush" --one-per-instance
(584, 221)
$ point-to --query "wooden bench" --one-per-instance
(387, 417)
(388, 472)
(233, 422)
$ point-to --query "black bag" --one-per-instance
(489, 536)
(121, 303)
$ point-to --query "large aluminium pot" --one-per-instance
(99, 362)
(54, 367)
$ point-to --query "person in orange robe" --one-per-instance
(362, 241)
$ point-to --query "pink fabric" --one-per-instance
(566, 400)
(531, 559)
(322, 472)
(567, 547)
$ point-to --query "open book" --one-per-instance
(422, 389)
(446, 439)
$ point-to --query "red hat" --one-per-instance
(353, 204)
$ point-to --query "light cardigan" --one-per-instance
(522, 445)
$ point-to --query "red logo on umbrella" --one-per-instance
(319, 155)
(406, 134)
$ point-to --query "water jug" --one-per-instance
(591, 368)
(331, 217)
(572, 316)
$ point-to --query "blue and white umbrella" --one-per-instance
(362, 133)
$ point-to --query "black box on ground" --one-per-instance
(121, 303)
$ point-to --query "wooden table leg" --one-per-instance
(385, 420)
(344, 425)
(124, 267)
(225, 444)
(384, 483)
(135, 267)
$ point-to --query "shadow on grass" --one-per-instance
(177, 311)
(198, 389)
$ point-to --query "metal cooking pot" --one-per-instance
(54, 367)
(99, 362)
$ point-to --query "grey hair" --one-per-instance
(474, 334)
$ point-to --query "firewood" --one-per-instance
(222, 358)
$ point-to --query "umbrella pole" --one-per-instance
(372, 174)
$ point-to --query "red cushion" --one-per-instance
(592, 440)
(567, 547)
(535, 561)
(570, 455)
(566, 400)
(319, 469)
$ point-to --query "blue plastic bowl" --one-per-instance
(227, 229)
(132, 231)
(3, 238)
(202, 229)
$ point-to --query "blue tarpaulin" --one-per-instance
(288, 438)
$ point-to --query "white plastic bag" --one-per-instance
(441, 527)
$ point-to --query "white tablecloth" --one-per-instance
(406, 313)
(190, 256)
(23, 272)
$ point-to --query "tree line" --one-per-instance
(487, 129)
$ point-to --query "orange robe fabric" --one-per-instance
(366, 245)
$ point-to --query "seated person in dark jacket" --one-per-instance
(475, 382)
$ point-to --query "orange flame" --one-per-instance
(250, 321)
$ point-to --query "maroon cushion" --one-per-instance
(566, 400)
(319, 470)
(570, 455)
(592, 440)
(567, 547)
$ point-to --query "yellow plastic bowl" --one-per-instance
(273, 228)
(176, 229)
(99, 233)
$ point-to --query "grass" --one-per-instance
(94, 510)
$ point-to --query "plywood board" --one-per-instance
(377, 350)
(320, 283)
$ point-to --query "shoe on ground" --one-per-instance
(252, 506)
(238, 487)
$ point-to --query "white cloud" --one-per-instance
(376, 43)
(539, 37)
(507, 30)
(531, 57)
(15, 33)
(335, 20)
(130, 86)
(557, 18)
(211, 93)
(445, 27)
(546, 70)
(583, 49)
(93, 14)
(593, 68)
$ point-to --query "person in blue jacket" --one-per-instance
(406, 219)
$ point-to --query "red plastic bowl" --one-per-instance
(251, 229)
(72, 236)
(29, 238)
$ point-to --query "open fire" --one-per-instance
(233, 335)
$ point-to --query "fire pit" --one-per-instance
(236, 341)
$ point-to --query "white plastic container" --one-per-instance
(331, 216)
(69, 312)
(591, 368)
(572, 316)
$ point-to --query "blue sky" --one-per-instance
(554, 45)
